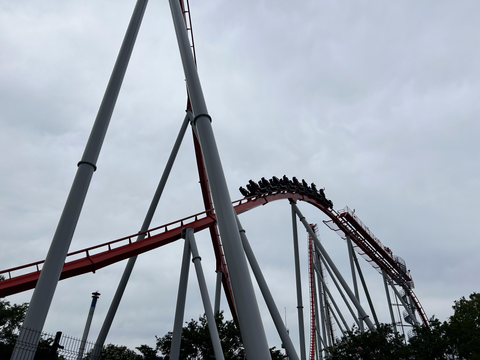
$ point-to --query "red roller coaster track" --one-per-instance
(79, 262)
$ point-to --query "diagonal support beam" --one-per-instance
(29, 336)
(337, 309)
(298, 282)
(365, 288)
(389, 300)
(251, 326)
(330, 262)
(405, 305)
(207, 305)
(267, 295)
(112, 310)
(354, 277)
(339, 289)
(181, 298)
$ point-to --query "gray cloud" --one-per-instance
(376, 102)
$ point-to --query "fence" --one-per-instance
(53, 347)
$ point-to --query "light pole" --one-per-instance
(95, 296)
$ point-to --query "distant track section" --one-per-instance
(374, 252)
(22, 278)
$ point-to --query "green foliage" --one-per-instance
(431, 343)
(11, 318)
(148, 353)
(457, 338)
(114, 352)
(381, 344)
(196, 342)
(464, 327)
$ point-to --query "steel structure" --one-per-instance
(94, 258)
(95, 296)
(231, 247)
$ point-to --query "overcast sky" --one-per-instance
(375, 101)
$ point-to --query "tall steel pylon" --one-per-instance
(246, 306)
(323, 302)
(50, 274)
(232, 249)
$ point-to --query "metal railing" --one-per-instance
(55, 347)
(108, 246)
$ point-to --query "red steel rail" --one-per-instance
(79, 262)
(24, 277)
(311, 288)
(369, 247)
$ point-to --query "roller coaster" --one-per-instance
(230, 245)
(343, 221)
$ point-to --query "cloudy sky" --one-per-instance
(375, 101)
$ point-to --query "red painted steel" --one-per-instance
(207, 198)
(99, 256)
(380, 257)
(96, 257)
(313, 333)
(171, 232)
(216, 242)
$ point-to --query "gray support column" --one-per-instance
(95, 296)
(181, 298)
(296, 254)
(389, 300)
(323, 286)
(337, 309)
(328, 317)
(400, 317)
(218, 292)
(337, 320)
(52, 268)
(267, 295)
(319, 340)
(212, 326)
(409, 301)
(339, 288)
(107, 323)
(322, 304)
(251, 326)
(330, 262)
(405, 305)
(354, 277)
(365, 288)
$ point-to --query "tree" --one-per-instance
(196, 342)
(464, 327)
(457, 338)
(431, 343)
(115, 352)
(148, 353)
(382, 343)
(11, 318)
